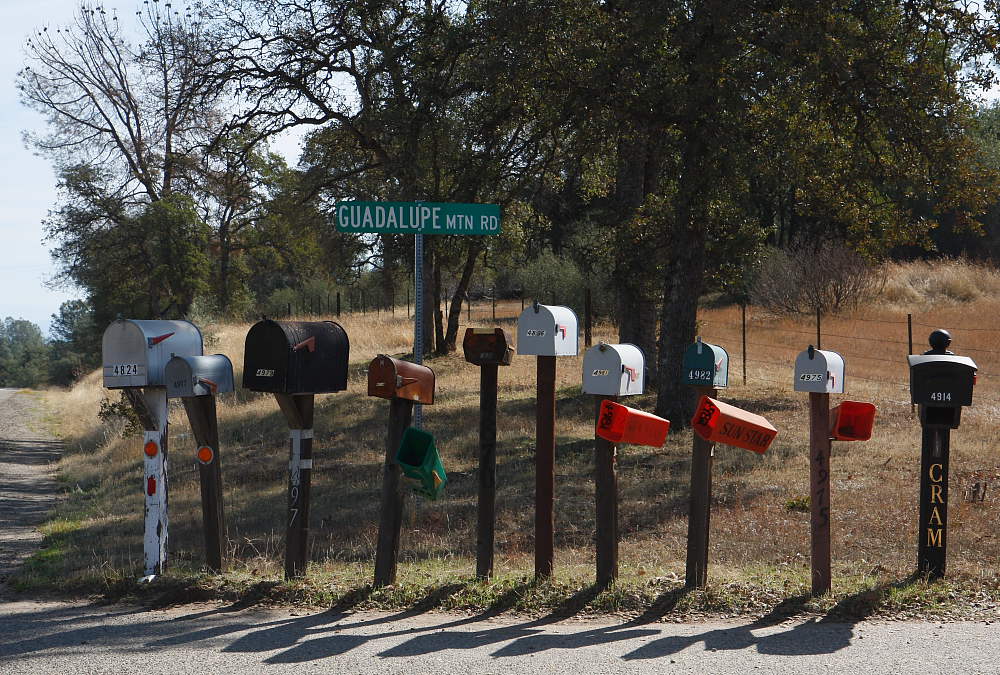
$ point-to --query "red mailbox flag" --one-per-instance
(719, 422)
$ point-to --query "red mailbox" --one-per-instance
(852, 421)
(719, 422)
(620, 424)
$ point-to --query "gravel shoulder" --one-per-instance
(28, 489)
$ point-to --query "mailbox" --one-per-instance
(852, 421)
(135, 352)
(706, 365)
(487, 347)
(719, 422)
(392, 378)
(296, 357)
(547, 330)
(199, 376)
(620, 424)
(942, 380)
(613, 370)
(819, 371)
(419, 460)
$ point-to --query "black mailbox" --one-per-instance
(296, 357)
(941, 380)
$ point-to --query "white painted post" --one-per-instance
(155, 484)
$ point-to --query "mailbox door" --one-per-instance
(179, 377)
(318, 356)
(487, 346)
(265, 358)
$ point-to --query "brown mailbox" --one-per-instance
(487, 347)
(392, 378)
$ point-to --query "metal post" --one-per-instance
(932, 532)
(819, 476)
(298, 411)
(606, 501)
(699, 512)
(587, 319)
(486, 514)
(743, 315)
(545, 458)
(205, 427)
(418, 315)
(393, 497)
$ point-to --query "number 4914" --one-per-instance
(940, 396)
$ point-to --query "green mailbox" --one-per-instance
(706, 365)
(418, 458)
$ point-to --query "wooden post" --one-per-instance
(932, 533)
(338, 304)
(743, 317)
(393, 497)
(545, 458)
(494, 304)
(819, 475)
(298, 411)
(606, 499)
(819, 335)
(587, 319)
(486, 514)
(205, 427)
(699, 511)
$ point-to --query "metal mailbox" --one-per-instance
(391, 378)
(189, 376)
(613, 370)
(487, 347)
(942, 381)
(135, 352)
(720, 422)
(706, 365)
(547, 330)
(819, 371)
(296, 357)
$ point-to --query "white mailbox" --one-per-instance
(547, 330)
(819, 371)
(613, 370)
(199, 375)
(136, 352)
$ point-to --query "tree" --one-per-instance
(23, 354)
(75, 346)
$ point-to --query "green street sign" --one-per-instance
(418, 217)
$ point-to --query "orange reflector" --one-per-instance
(205, 454)
(150, 486)
(151, 448)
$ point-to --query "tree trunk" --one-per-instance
(389, 249)
(461, 292)
(429, 307)
(439, 346)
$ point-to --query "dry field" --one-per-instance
(759, 544)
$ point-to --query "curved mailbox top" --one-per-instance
(189, 376)
(392, 378)
(942, 380)
(706, 365)
(547, 330)
(135, 352)
(296, 357)
(487, 347)
(613, 370)
(819, 371)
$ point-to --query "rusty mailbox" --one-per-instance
(189, 376)
(296, 357)
(819, 371)
(706, 365)
(135, 352)
(487, 347)
(613, 370)
(547, 330)
(392, 378)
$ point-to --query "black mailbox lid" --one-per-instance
(942, 380)
(296, 357)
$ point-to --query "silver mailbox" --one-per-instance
(199, 375)
(819, 371)
(613, 370)
(135, 352)
(547, 330)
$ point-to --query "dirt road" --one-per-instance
(27, 487)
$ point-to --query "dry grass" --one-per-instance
(759, 547)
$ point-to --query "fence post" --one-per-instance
(587, 321)
(819, 338)
(743, 317)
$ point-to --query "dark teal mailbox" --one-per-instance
(706, 365)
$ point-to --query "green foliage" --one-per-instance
(23, 354)
(120, 413)
(558, 280)
(75, 347)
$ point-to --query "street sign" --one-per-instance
(418, 218)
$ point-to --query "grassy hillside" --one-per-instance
(759, 536)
